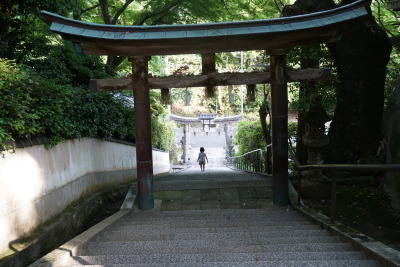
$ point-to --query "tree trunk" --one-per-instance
(105, 11)
(361, 57)
(263, 112)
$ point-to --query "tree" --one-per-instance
(356, 127)
(17, 18)
(361, 56)
(156, 12)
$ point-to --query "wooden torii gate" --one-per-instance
(276, 36)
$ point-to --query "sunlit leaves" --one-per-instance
(18, 117)
(249, 136)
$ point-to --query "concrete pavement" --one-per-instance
(216, 188)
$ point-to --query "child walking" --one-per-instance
(202, 159)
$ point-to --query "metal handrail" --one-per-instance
(347, 167)
(245, 154)
(246, 161)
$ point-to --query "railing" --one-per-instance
(346, 167)
(250, 161)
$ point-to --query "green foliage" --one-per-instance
(389, 20)
(157, 66)
(33, 105)
(18, 113)
(249, 137)
(299, 99)
(162, 134)
(200, 11)
(19, 20)
(292, 128)
(71, 112)
(60, 62)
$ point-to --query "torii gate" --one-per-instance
(276, 36)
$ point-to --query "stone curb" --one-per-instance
(61, 255)
(69, 222)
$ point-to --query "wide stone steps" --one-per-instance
(137, 236)
(160, 230)
(215, 223)
(167, 242)
(229, 259)
(217, 238)
(203, 215)
(338, 263)
(201, 246)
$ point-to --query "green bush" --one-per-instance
(162, 133)
(31, 105)
(249, 137)
(19, 116)
(61, 63)
(71, 112)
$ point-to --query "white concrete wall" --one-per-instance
(37, 183)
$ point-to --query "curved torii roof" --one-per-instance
(194, 120)
(277, 33)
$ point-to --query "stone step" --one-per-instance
(209, 228)
(216, 222)
(217, 173)
(207, 218)
(118, 235)
(216, 258)
(229, 238)
(152, 229)
(185, 214)
(201, 246)
(327, 263)
(265, 217)
(199, 176)
(197, 183)
(272, 236)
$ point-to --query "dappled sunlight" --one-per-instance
(37, 183)
(21, 181)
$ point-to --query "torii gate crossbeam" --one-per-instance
(273, 35)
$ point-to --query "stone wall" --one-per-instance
(38, 183)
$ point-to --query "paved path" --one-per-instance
(216, 188)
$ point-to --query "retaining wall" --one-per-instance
(38, 183)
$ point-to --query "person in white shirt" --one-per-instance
(202, 159)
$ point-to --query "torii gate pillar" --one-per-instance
(144, 157)
(279, 97)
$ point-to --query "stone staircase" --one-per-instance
(253, 237)
(220, 217)
(213, 140)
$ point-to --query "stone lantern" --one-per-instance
(314, 138)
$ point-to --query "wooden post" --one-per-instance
(143, 132)
(279, 97)
(208, 67)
